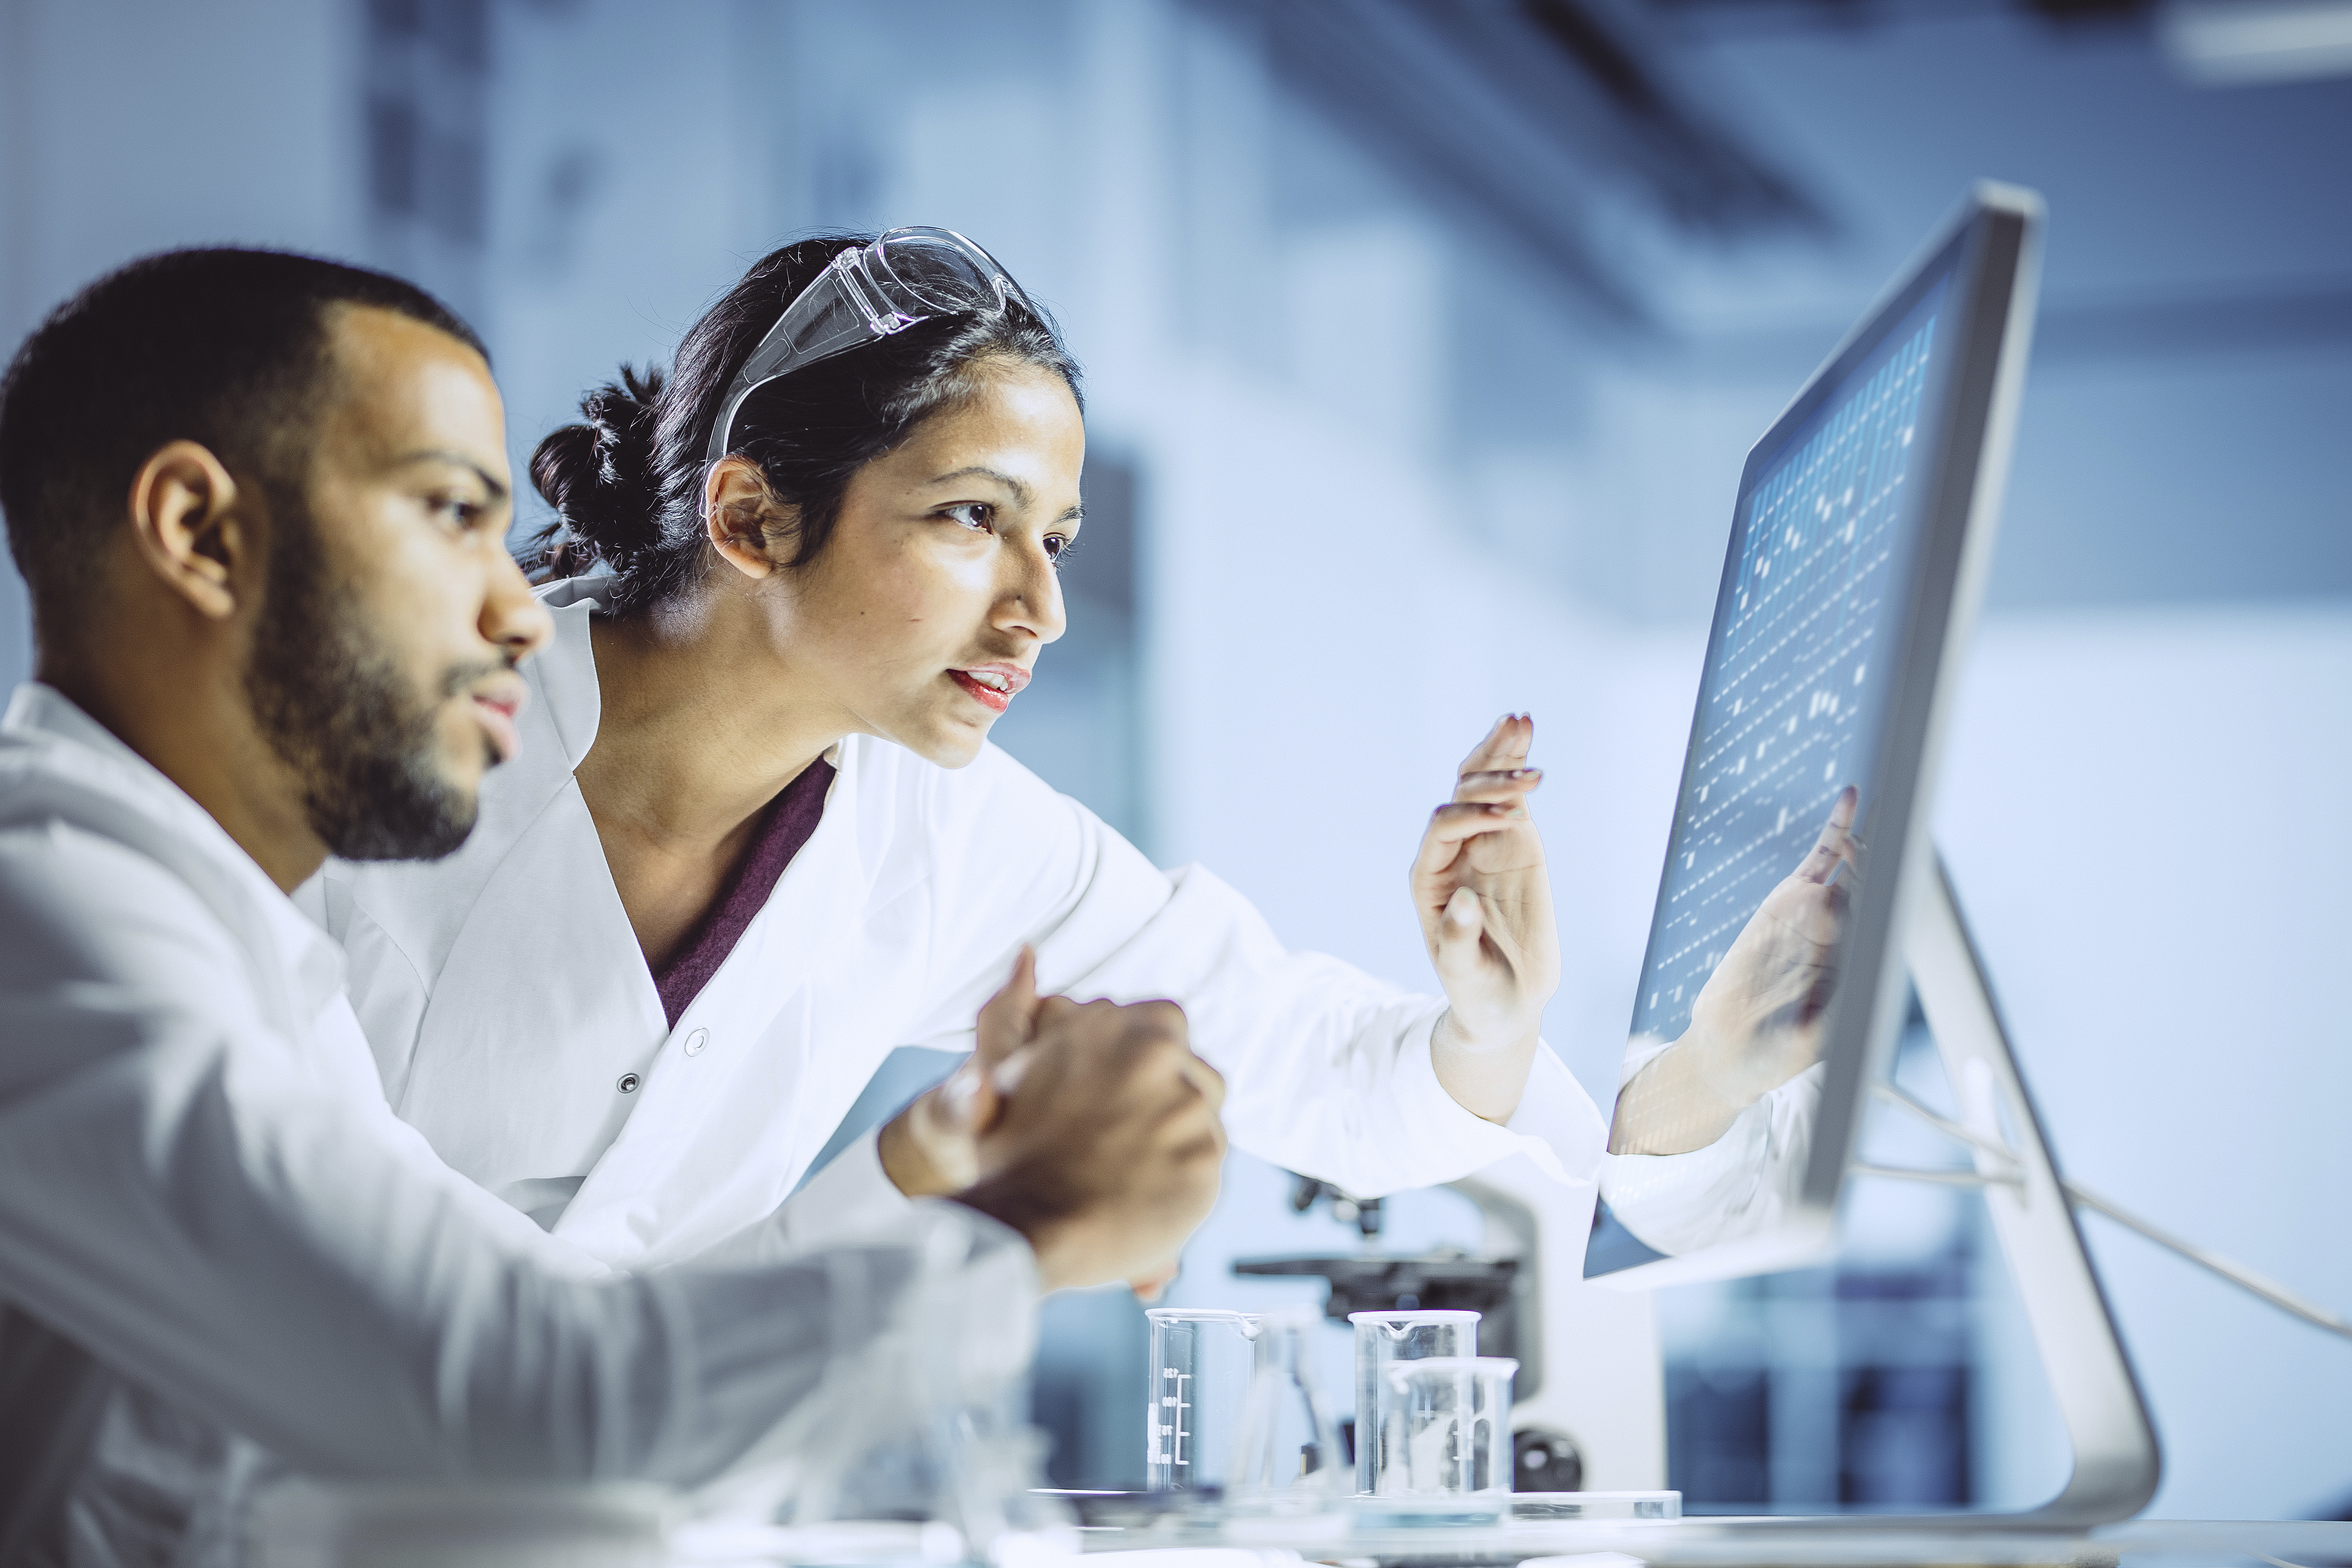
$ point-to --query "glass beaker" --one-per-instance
(1383, 1339)
(1203, 1366)
(1288, 1455)
(1453, 1421)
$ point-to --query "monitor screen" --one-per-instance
(1789, 705)
(1823, 659)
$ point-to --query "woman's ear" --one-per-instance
(741, 516)
(188, 526)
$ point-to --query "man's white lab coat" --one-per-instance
(219, 1244)
(517, 1027)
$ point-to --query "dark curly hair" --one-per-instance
(627, 482)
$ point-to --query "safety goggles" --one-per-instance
(868, 292)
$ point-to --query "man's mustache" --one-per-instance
(459, 678)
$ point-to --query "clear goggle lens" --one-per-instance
(868, 292)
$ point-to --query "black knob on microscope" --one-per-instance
(1544, 1460)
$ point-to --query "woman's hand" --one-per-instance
(1758, 1020)
(1484, 903)
(1763, 1010)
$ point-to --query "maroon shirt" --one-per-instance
(788, 822)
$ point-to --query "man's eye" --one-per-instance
(976, 515)
(457, 510)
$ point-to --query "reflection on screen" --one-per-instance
(1793, 694)
(1715, 1126)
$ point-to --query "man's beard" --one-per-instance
(335, 707)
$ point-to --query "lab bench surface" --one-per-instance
(1750, 1543)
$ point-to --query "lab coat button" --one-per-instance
(628, 1084)
(695, 1041)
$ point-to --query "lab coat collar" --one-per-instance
(95, 781)
(566, 668)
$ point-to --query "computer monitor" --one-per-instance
(1775, 982)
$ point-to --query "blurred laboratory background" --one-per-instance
(1426, 340)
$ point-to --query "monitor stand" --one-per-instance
(2117, 1463)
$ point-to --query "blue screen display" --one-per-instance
(1798, 666)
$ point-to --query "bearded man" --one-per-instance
(261, 502)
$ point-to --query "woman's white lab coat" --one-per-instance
(518, 1028)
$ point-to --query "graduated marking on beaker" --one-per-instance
(1168, 1436)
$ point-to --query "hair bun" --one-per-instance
(598, 474)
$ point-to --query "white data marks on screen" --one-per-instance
(1813, 569)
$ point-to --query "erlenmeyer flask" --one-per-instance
(1288, 1454)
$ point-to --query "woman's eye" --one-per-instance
(1056, 546)
(975, 515)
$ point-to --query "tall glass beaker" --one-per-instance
(1203, 1363)
(1382, 1339)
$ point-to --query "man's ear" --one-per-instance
(190, 524)
(739, 513)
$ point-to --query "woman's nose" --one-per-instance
(1032, 601)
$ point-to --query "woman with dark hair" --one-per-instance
(755, 837)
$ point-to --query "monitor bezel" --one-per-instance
(1985, 250)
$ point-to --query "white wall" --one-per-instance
(2144, 816)
(128, 126)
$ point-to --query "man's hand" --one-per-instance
(1758, 1020)
(1106, 1147)
(1484, 903)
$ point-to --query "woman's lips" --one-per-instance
(993, 686)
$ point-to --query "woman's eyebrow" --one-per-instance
(1021, 493)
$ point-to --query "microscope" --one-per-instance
(1589, 1403)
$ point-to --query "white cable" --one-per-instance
(2277, 1295)
(2237, 1274)
(1941, 1178)
(1945, 1124)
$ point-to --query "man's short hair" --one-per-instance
(223, 347)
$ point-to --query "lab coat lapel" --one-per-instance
(542, 1001)
(697, 1156)
(542, 1006)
